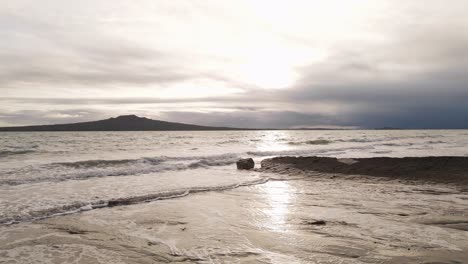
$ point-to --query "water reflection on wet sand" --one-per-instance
(316, 220)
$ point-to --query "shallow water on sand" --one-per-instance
(45, 174)
(299, 220)
(188, 203)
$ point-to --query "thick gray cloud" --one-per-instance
(38, 117)
(253, 118)
(368, 64)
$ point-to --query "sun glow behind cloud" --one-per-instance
(322, 62)
(246, 44)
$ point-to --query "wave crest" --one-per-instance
(86, 206)
(82, 170)
(311, 142)
(6, 153)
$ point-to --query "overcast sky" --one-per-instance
(236, 63)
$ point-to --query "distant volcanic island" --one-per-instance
(120, 123)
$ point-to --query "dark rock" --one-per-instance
(317, 222)
(452, 170)
(245, 164)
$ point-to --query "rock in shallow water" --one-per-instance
(245, 164)
(316, 222)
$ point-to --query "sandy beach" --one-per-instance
(296, 216)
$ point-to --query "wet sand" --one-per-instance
(297, 216)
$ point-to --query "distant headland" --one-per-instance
(137, 123)
(120, 123)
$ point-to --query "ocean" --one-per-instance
(52, 173)
(181, 199)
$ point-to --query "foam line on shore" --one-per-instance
(81, 207)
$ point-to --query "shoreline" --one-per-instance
(284, 220)
(298, 215)
(292, 168)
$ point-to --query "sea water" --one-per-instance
(44, 174)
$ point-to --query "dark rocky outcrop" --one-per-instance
(245, 164)
(431, 169)
(121, 123)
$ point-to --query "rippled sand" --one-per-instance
(293, 218)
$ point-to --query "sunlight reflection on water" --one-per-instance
(274, 141)
(279, 198)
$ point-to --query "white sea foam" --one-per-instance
(42, 174)
(76, 207)
(81, 170)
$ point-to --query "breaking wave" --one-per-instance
(231, 141)
(311, 142)
(6, 153)
(82, 170)
(213, 160)
(327, 151)
(104, 163)
(86, 206)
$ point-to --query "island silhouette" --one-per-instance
(120, 123)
